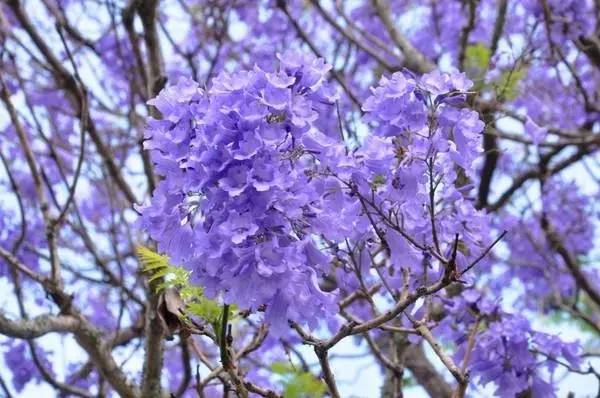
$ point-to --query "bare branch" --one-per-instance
(38, 326)
(413, 58)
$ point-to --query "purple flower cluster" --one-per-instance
(424, 139)
(569, 17)
(18, 359)
(251, 181)
(427, 116)
(15, 237)
(507, 351)
(238, 203)
(515, 357)
(532, 259)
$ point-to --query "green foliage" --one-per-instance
(477, 56)
(462, 247)
(507, 85)
(150, 260)
(158, 266)
(206, 309)
(298, 384)
(477, 59)
(378, 181)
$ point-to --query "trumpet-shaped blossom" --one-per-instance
(239, 198)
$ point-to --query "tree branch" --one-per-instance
(413, 58)
(38, 326)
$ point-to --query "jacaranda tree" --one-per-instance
(206, 198)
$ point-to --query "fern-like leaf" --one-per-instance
(151, 260)
(158, 266)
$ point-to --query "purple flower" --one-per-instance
(244, 153)
(18, 360)
(536, 132)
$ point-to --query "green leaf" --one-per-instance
(298, 384)
(304, 385)
(159, 274)
(206, 309)
(463, 247)
(508, 82)
(189, 292)
(477, 59)
(378, 181)
(158, 266)
(282, 368)
(477, 56)
(151, 260)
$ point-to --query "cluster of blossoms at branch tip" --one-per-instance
(263, 202)
(239, 204)
(257, 198)
(571, 216)
(506, 354)
(507, 351)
